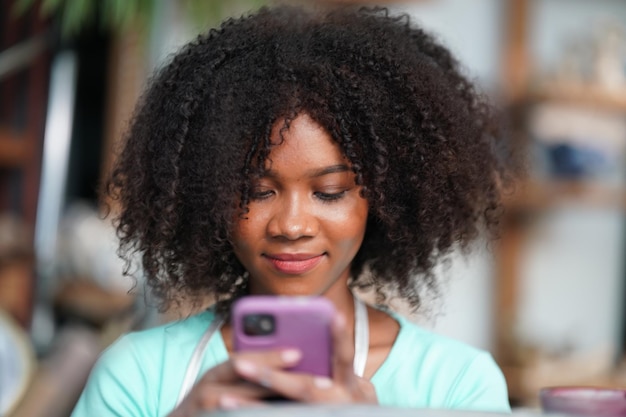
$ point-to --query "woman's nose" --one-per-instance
(292, 219)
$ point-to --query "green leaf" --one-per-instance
(21, 6)
(48, 7)
(118, 15)
(77, 14)
(128, 14)
(144, 12)
(106, 13)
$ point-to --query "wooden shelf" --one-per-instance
(536, 195)
(587, 95)
(527, 371)
(14, 151)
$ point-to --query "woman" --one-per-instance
(300, 153)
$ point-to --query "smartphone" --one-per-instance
(275, 322)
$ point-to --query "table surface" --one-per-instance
(358, 411)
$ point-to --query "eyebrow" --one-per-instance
(314, 173)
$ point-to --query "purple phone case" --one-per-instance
(300, 322)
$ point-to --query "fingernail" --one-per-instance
(246, 368)
(290, 355)
(228, 403)
(322, 383)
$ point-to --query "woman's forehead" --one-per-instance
(303, 144)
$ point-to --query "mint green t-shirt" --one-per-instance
(141, 374)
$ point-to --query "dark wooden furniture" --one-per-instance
(23, 100)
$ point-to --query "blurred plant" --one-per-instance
(119, 15)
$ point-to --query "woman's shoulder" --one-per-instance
(154, 342)
(416, 347)
(423, 338)
(179, 331)
(449, 372)
(148, 361)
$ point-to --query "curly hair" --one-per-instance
(421, 141)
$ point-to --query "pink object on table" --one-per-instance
(584, 401)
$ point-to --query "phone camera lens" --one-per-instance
(258, 324)
(266, 324)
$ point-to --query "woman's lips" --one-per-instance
(294, 264)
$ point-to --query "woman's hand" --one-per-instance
(344, 387)
(247, 378)
(222, 387)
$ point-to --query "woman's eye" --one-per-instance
(261, 194)
(330, 196)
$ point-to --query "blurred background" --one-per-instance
(547, 299)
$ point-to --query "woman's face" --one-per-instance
(307, 217)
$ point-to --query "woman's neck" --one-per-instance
(341, 296)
